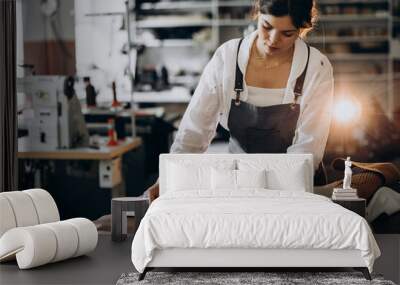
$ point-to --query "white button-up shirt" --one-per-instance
(211, 101)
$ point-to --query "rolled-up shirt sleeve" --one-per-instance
(199, 123)
(314, 122)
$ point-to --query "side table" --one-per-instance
(357, 205)
(119, 208)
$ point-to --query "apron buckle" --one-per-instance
(237, 99)
(296, 96)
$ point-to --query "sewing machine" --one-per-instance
(52, 113)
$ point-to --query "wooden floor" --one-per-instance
(102, 266)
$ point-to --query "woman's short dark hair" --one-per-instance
(302, 12)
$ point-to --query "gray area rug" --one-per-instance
(232, 278)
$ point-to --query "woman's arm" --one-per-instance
(201, 118)
(154, 191)
(314, 122)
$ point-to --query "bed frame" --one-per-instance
(245, 258)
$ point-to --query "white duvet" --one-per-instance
(253, 218)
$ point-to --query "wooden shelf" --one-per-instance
(174, 43)
(346, 39)
(175, 5)
(358, 57)
(174, 95)
(153, 24)
(235, 3)
(171, 23)
(353, 18)
(233, 22)
(333, 2)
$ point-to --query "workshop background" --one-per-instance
(129, 68)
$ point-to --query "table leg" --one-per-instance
(116, 221)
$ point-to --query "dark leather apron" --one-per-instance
(270, 129)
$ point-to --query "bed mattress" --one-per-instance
(250, 219)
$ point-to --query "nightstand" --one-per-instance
(357, 205)
(119, 208)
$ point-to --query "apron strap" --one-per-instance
(238, 77)
(298, 88)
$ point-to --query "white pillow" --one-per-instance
(293, 180)
(183, 177)
(251, 179)
(186, 175)
(281, 174)
(223, 179)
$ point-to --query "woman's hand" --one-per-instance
(154, 191)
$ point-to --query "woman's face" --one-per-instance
(276, 34)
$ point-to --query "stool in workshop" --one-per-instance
(119, 208)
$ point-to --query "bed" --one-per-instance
(246, 211)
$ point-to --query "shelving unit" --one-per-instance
(357, 37)
(360, 37)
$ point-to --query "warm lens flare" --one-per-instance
(346, 111)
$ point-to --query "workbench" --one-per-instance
(104, 152)
(151, 124)
(83, 180)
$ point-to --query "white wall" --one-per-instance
(99, 42)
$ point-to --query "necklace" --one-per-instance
(268, 63)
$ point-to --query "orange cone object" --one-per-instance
(111, 133)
